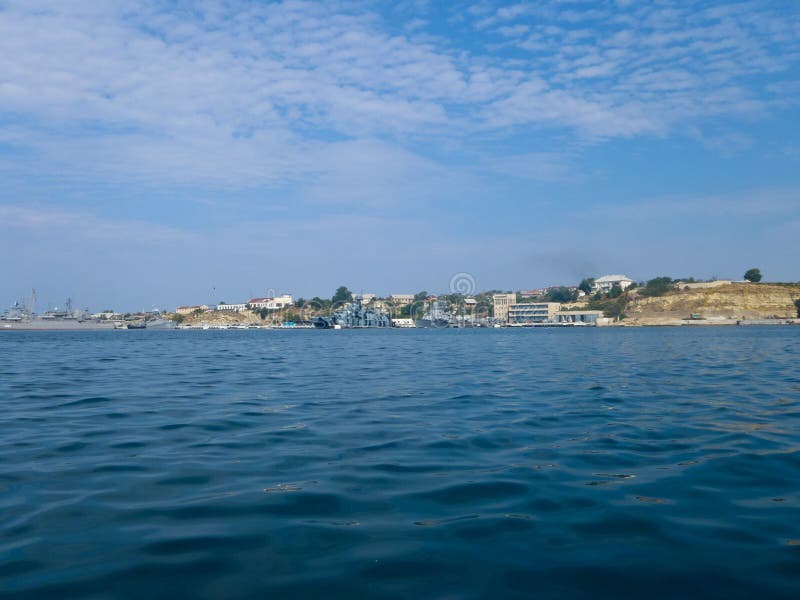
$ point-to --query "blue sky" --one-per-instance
(162, 153)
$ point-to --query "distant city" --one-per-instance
(607, 300)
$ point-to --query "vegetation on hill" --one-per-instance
(658, 286)
(753, 275)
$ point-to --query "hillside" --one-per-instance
(720, 301)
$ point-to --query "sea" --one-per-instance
(449, 464)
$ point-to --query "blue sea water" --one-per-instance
(580, 463)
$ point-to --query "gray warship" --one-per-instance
(354, 316)
(21, 317)
(436, 317)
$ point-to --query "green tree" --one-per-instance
(342, 295)
(586, 285)
(561, 294)
(611, 307)
(615, 291)
(658, 286)
(797, 304)
(753, 275)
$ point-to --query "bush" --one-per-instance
(561, 294)
(657, 286)
(611, 307)
(586, 285)
(753, 275)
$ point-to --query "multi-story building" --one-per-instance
(534, 312)
(501, 303)
(402, 299)
(366, 298)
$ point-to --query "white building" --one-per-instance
(402, 299)
(367, 298)
(276, 303)
(606, 282)
(232, 307)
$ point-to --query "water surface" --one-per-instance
(393, 464)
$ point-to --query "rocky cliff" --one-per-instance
(727, 301)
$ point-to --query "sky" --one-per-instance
(154, 154)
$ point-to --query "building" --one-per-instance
(232, 307)
(501, 303)
(276, 303)
(367, 298)
(588, 317)
(402, 299)
(187, 310)
(606, 282)
(534, 312)
(533, 293)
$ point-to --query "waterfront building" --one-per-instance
(501, 303)
(606, 282)
(534, 312)
(367, 298)
(589, 317)
(402, 299)
(187, 310)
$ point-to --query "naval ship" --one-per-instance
(354, 316)
(20, 317)
(436, 316)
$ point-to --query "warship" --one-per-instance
(21, 317)
(354, 316)
(436, 317)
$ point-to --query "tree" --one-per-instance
(586, 285)
(561, 294)
(342, 295)
(797, 304)
(615, 291)
(658, 286)
(753, 275)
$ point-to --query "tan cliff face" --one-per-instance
(730, 300)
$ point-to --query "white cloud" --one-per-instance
(241, 93)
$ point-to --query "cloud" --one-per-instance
(239, 93)
(53, 221)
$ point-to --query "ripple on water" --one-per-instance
(471, 464)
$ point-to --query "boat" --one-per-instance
(354, 316)
(22, 318)
(159, 323)
(436, 317)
